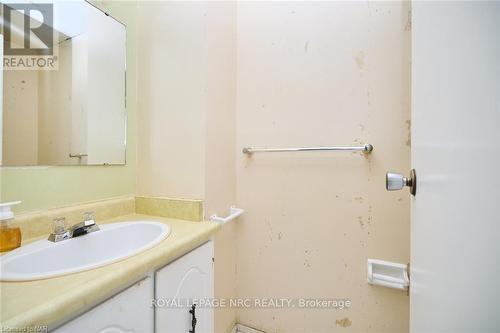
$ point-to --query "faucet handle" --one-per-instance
(61, 231)
(60, 226)
(89, 218)
(87, 226)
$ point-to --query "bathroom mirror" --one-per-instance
(63, 100)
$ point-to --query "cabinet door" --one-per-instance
(129, 311)
(188, 279)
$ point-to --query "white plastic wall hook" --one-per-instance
(233, 213)
(388, 274)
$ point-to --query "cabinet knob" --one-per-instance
(193, 319)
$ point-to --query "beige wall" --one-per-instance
(172, 97)
(220, 159)
(307, 74)
(187, 98)
(322, 73)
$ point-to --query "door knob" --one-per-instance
(395, 181)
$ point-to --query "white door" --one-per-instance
(129, 311)
(455, 235)
(189, 279)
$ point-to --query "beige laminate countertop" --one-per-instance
(52, 301)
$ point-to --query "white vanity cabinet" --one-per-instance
(129, 311)
(185, 281)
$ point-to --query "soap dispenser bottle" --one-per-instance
(10, 236)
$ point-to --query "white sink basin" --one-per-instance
(116, 241)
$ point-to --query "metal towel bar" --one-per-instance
(366, 148)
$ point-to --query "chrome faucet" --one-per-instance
(61, 232)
